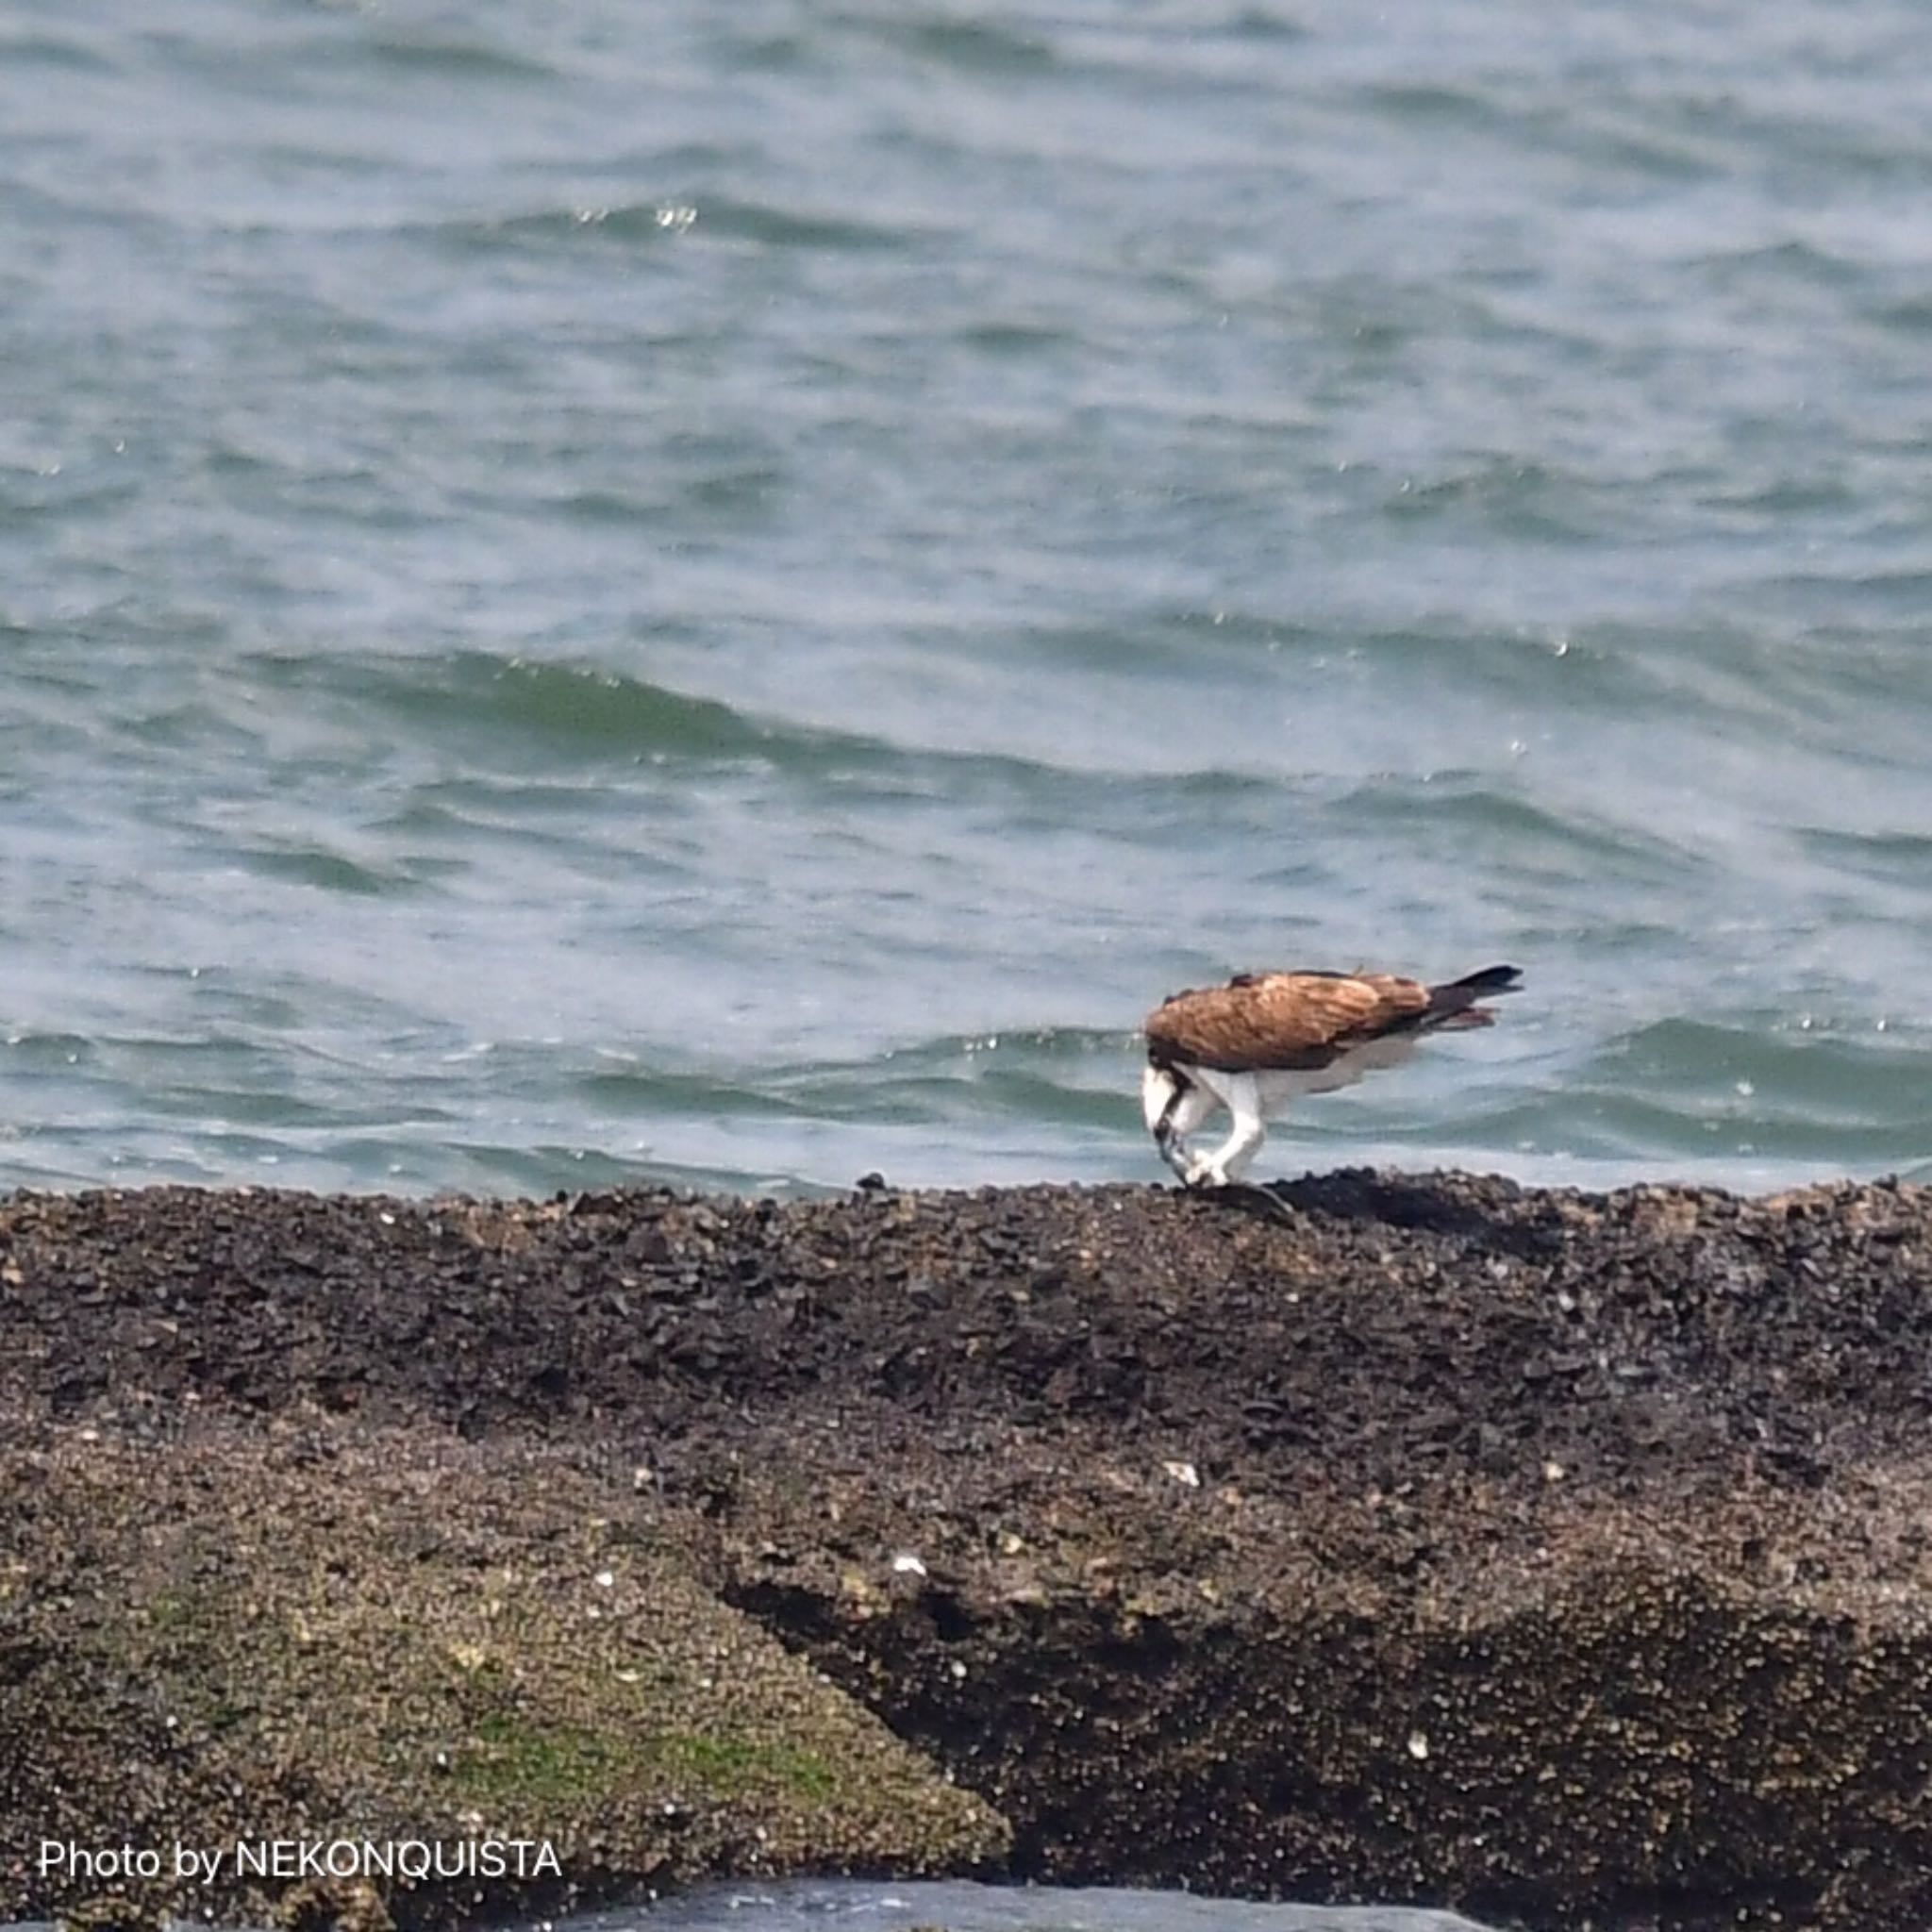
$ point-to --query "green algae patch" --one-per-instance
(506, 1757)
(732, 1764)
(241, 1640)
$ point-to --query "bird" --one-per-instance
(1266, 1038)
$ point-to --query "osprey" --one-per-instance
(1265, 1039)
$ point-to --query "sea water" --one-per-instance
(728, 594)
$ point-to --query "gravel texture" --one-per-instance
(1553, 1557)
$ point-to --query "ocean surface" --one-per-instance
(727, 594)
(871, 1905)
(878, 1905)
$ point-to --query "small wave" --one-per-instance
(632, 1091)
(465, 60)
(1790, 1094)
(573, 710)
(1013, 340)
(1067, 1086)
(1452, 811)
(46, 49)
(1515, 498)
(330, 872)
(786, 227)
(1911, 315)
(639, 220)
(1606, 669)
(579, 715)
(1266, 24)
(51, 1052)
(963, 45)
(1790, 259)
(667, 220)
(1892, 858)
(1062, 1077)
(1434, 105)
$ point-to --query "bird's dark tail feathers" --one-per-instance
(1455, 1004)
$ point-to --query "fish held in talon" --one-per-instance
(1266, 1038)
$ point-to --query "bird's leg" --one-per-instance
(1174, 1106)
(1242, 1099)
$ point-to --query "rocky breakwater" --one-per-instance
(1560, 1558)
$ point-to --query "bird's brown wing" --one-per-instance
(1281, 1020)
